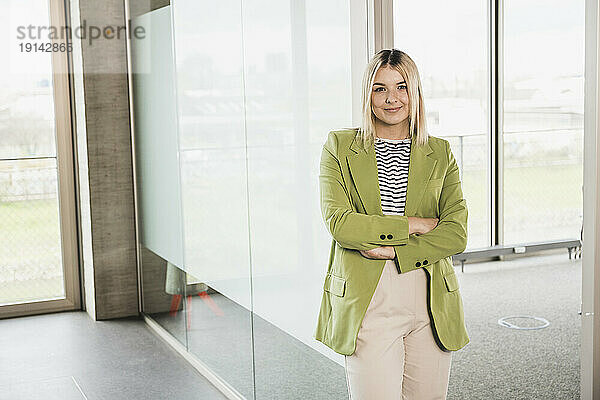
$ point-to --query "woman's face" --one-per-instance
(389, 96)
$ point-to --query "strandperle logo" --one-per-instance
(83, 32)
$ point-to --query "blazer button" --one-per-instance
(390, 237)
(382, 237)
(425, 262)
(418, 264)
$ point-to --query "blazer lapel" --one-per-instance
(363, 170)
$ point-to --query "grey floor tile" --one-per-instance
(112, 360)
(58, 388)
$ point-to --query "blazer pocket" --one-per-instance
(335, 285)
(451, 282)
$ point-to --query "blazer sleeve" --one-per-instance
(449, 237)
(351, 229)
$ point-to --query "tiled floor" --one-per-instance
(67, 356)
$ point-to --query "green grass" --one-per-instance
(540, 203)
(30, 257)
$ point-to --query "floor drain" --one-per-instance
(503, 322)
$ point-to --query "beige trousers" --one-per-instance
(396, 355)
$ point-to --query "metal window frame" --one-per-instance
(67, 195)
(496, 71)
(383, 29)
(590, 274)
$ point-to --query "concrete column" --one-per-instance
(104, 160)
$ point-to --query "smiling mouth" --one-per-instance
(393, 109)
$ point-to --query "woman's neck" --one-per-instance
(398, 131)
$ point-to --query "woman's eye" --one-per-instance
(402, 87)
(377, 89)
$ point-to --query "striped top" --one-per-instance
(393, 156)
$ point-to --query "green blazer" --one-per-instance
(351, 209)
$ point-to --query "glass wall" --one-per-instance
(157, 168)
(543, 120)
(540, 161)
(542, 108)
(298, 87)
(455, 75)
(214, 191)
(228, 136)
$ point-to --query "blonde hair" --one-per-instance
(406, 66)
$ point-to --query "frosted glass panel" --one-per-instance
(252, 111)
(213, 153)
(210, 98)
(156, 141)
(298, 88)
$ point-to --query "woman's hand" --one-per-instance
(421, 225)
(380, 253)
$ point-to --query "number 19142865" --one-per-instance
(46, 47)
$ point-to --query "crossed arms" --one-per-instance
(358, 231)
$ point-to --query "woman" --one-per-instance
(392, 200)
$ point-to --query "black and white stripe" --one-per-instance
(393, 158)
